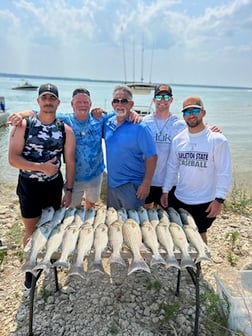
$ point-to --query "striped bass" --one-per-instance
(70, 238)
(116, 242)
(39, 237)
(111, 216)
(179, 238)
(100, 216)
(122, 215)
(55, 239)
(100, 244)
(132, 236)
(85, 242)
(153, 217)
(165, 239)
(194, 236)
(134, 215)
(150, 237)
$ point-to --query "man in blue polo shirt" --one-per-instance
(130, 152)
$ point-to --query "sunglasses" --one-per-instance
(122, 101)
(160, 97)
(189, 111)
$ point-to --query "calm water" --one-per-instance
(230, 109)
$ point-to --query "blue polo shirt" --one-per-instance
(127, 147)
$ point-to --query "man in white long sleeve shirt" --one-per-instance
(200, 166)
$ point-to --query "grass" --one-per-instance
(239, 201)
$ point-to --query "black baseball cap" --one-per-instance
(48, 89)
(81, 90)
(163, 89)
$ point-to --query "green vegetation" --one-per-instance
(169, 310)
(239, 201)
(153, 284)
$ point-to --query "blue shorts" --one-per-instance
(35, 196)
(123, 196)
(198, 211)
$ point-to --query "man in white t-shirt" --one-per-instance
(200, 166)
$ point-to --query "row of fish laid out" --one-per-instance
(76, 232)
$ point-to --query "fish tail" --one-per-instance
(77, 270)
(139, 265)
(28, 266)
(186, 261)
(201, 258)
(45, 266)
(116, 259)
(157, 259)
(171, 261)
(96, 266)
(61, 263)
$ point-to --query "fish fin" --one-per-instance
(77, 270)
(61, 263)
(138, 266)
(115, 259)
(96, 266)
(187, 262)
(155, 260)
(171, 261)
(45, 266)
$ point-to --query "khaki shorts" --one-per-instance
(89, 190)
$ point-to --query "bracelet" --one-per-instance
(220, 200)
(69, 189)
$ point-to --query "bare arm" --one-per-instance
(16, 118)
(69, 153)
(144, 188)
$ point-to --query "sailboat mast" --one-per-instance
(142, 61)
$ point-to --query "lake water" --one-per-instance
(229, 108)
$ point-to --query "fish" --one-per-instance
(151, 241)
(40, 236)
(165, 239)
(70, 238)
(100, 244)
(153, 217)
(55, 240)
(174, 216)
(122, 215)
(116, 242)
(100, 216)
(111, 216)
(179, 238)
(90, 217)
(193, 236)
(85, 242)
(132, 236)
(134, 215)
(180, 241)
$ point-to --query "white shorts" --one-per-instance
(90, 190)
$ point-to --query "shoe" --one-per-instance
(28, 281)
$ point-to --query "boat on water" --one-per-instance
(3, 114)
(141, 87)
(25, 86)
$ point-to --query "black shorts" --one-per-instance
(154, 195)
(198, 211)
(35, 196)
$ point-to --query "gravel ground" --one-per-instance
(117, 304)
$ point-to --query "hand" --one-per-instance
(50, 167)
(66, 200)
(15, 119)
(143, 191)
(135, 117)
(97, 112)
(215, 129)
(214, 209)
(164, 200)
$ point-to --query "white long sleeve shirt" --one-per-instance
(199, 165)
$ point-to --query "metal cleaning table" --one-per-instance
(194, 274)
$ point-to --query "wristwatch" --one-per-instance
(69, 189)
(220, 200)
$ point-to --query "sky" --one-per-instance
(206, 42)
